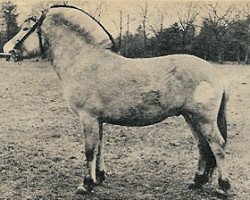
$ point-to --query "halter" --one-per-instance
(15, 53)
(33, 28)
(43, 16)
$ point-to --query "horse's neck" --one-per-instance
(65, 47)
(66, 44)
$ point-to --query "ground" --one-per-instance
(41, 145)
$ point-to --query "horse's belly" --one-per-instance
(139, 116)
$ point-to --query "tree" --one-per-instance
(157, 29)
(127, 34)
(120, 31)
(204, 44)
(170, 40)
(218, 24)
(187, 25)
(134, 43)
(246, 14)
(144, 15)
(239, 39)
(10, 15)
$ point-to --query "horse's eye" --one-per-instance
(25, 29)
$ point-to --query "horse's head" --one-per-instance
(28, 40)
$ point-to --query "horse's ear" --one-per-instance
(43, 15)
(45, 12)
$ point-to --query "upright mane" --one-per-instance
(82, 24)
(59, 19)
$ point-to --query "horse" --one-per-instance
(101, 86)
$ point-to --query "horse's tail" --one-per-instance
(221, 119)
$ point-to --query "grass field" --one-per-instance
(41, 145)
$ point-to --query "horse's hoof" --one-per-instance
(225, 194)
(224, 185)
(194, 186)
(200, 180)
(82, 190)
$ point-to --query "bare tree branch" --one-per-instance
(189, 18)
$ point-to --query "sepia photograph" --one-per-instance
(124, 100)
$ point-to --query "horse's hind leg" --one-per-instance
(217, 143)
(208, 128)
(207, 162)
(100, 167)
(90, 128)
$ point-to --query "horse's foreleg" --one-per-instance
(90, 129)
(100, 166)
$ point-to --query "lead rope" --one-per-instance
(16, 55)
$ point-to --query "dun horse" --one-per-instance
(103, 87)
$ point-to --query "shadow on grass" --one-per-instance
(150, 187)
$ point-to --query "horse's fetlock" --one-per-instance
(100, 175)
(89, 153)
(220, 154)
(87, 129)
